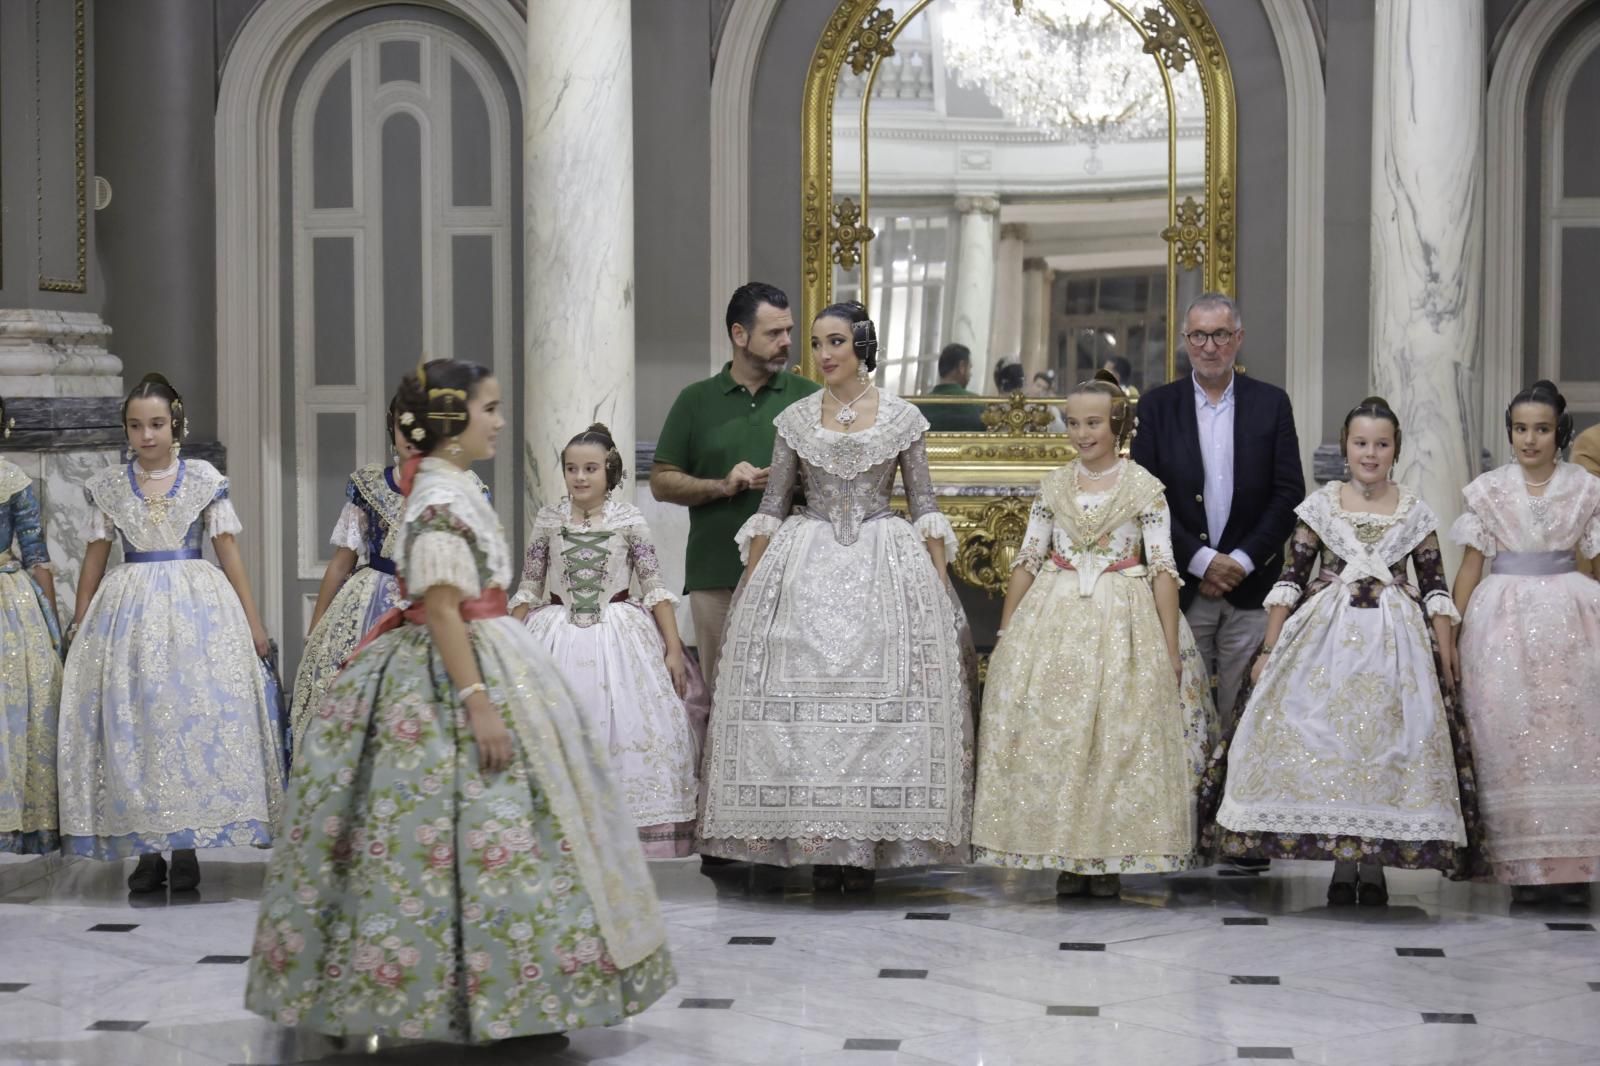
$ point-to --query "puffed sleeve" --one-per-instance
(782, 479)
(220, 516)
(97, 525)
(1589, 542)
(1429, 564)
(438, 551)
(924, 504)
(1469, 531)
(29, 528)
(535, 569)
(646, 566)
(1155, 525)
(1298, 568)
(350, 531)
(1036, 541)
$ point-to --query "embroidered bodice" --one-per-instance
(371, 515)
(1094, 531)
(450, 535)
(1368, 553)
(195, 509)
(585, 565)
(849, 477)
(1502, 516)
(20, 523)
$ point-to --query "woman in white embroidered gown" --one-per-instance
(621, 656)
(1530, 672)
(1096, 718)
(169, 735)
(1350, 747)
(841, 730)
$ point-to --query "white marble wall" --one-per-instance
(58, 478)
(1427, 238)
(974, 297)
(669, 526)
(579, 233)
(1036, 281)
(1005, 331)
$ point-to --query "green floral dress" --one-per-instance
(412, 895)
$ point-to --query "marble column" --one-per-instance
(1427, 238)
(1005, 331)
(1037, 278)
(975, 270)
(579, 235)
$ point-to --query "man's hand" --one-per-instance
(1224, 572)
(1211, 590)
(742, 476)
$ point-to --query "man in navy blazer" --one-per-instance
(1225, 447)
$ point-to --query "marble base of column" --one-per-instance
(56, 353)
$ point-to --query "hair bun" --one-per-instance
(1375, 401)
(599, 428)
(1107, 376)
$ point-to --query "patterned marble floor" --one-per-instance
(953, 966)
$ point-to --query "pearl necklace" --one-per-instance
(1539, 484)
(846, 413)
(1090, 475)
(159, 475)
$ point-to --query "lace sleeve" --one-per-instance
(350, 531)
(535, 569)
(29, 528)
(439, 552)
(1470, 532)
(1036, 541)
(782, 479)
(97, 525)
(1155, 524)
(646, 566)
(1589, 543)
(1429, 563)
(920, 497)
(1298, 568)
(221, 518)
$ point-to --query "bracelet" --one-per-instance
(472, 690)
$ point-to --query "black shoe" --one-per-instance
(150, 874)
(857, 879)
(715, 860)
(826, 879)
(1374, 893)
(185, 871)
(1342, 894)
(1250, 866)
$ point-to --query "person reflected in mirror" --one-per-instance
(1350, 746)
(1042, 386)
(1008, 377)
(1121, 369)
(841, 728)
(955, 375)
(1097, 711)
(1529, 674)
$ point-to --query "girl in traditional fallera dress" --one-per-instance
(1350, 746)
(841, 730)
(1097, 712)
(621, 656)
(456, 862)
(30, 668)
(169, 735)
(1530, 675)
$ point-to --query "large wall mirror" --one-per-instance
(1046, 182)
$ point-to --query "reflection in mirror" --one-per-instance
(1019, 177)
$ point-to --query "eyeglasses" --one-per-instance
(1219, 337)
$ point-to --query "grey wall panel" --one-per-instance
(399, 61)
(1347, 212)
(333, 163)
(336, 451)
(1580, 171)
(403, 245)
(469, 146)
(472, 298)
(333, 310)
(1580, 312)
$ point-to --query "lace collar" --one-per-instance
(849, 455)
(443, 484)
(1368, 543)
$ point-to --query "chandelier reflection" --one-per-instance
(1074, 69)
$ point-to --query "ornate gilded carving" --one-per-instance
(1188, 234)
(1220, 275)
(988, 540)
(812, 230)
(873, 40)
(850, 234)
(1165, 39)
(1016, 416)
(80, 146)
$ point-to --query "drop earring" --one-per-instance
(863, 375)
(453, 448)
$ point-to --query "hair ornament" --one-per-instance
(418, 433)
(455, 395)
(406, 418)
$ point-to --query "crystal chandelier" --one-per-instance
(1073, 68)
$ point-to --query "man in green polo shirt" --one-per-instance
(715, 449)
(955, 373)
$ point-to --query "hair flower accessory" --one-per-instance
(406, 418)
(418, 433)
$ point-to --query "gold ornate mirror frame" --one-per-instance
(1199, 235)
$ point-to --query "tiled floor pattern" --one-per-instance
(944, 966)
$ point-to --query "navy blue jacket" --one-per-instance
(1267, 482)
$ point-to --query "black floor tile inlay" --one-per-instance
(1594, 986)
(1073, 1012)
(1266, 1053)
(112, 927)
(909, 975)
(1246, 979)
(928, 916)
(12, 987)
(706, 1004)
(1244, 921)
(759, 941)
(1081, 945)
(1420, 953)
(871, 1044)
(116, 1027)
(1450, 1019)
(1570, 927)
(224, 960)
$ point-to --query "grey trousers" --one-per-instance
(1227, 638)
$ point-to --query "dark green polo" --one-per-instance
(953, 417)
(713, 426)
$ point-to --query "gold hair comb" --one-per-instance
(453, 394)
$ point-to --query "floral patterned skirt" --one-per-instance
(412, 895)
(363, 598)
(30, 692)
